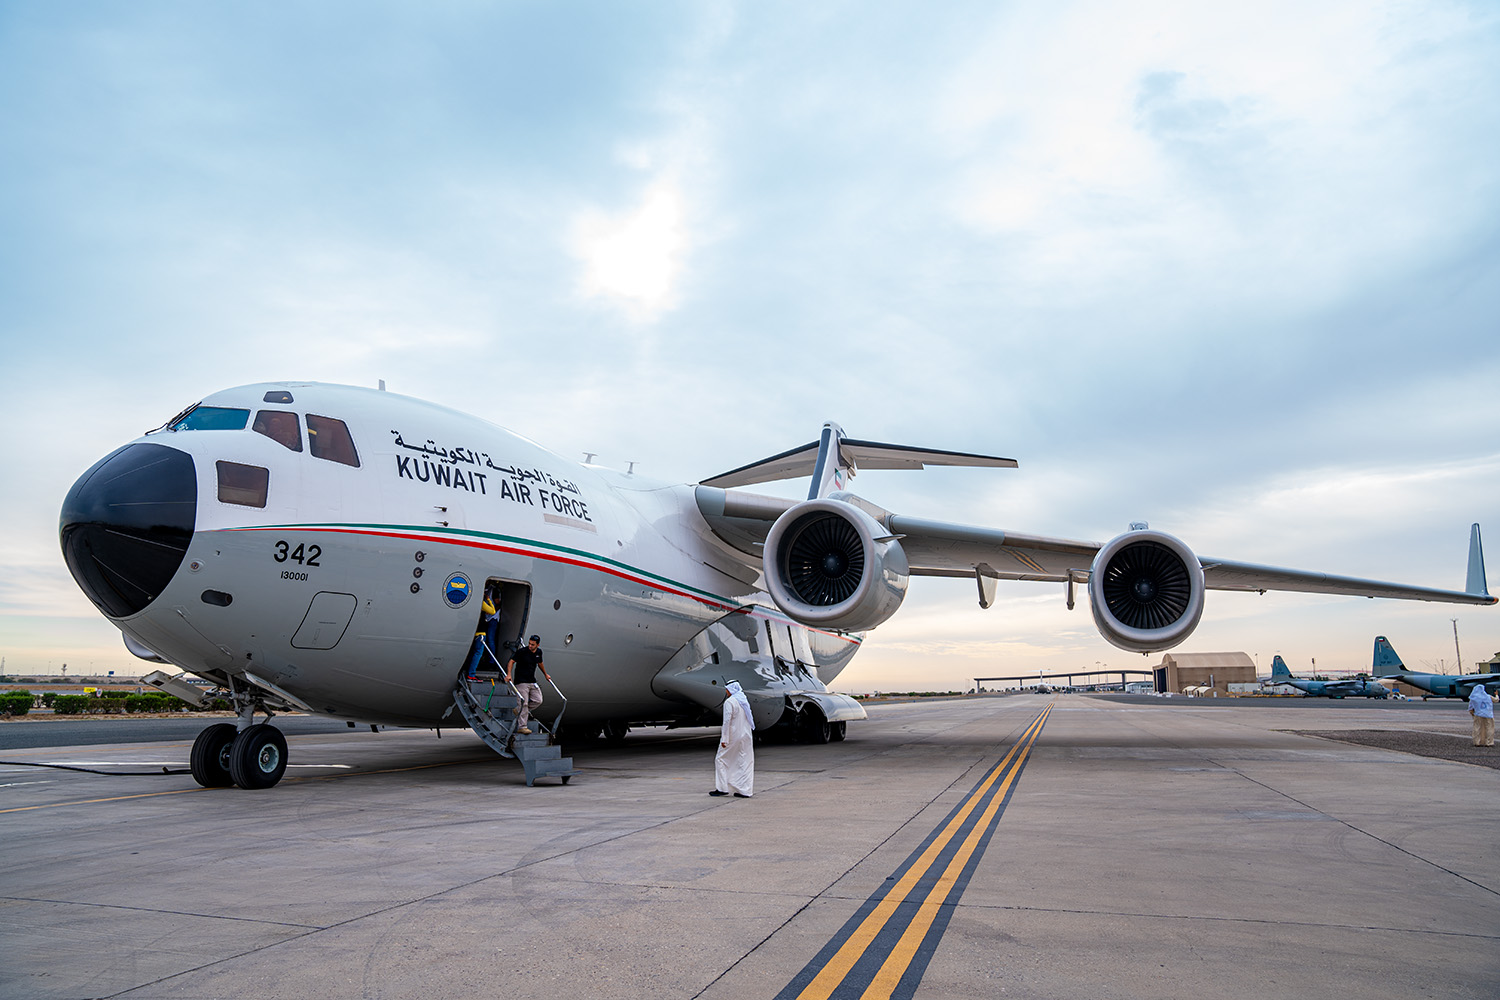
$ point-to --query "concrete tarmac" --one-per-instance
(1137, 849)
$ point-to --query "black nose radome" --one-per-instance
(126, 525)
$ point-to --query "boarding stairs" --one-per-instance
(487, 702)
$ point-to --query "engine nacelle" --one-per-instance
(1146, 591)
(830, 565)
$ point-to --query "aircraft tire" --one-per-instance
(258, 757)
(813, 727)
(210, 757)
(838, 732)
(615, 730)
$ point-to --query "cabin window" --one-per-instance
(245, 485)
(280, 426)
(329, 438)
(212, 418)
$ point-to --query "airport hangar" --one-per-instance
(1176, 673)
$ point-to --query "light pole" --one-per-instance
(1455, 645)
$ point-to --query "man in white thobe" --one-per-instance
(1483, 709)
(734, 764)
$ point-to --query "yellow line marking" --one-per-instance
(116, 798)
(837, 967)
(389, 770)
(284, 781)
(894, 967)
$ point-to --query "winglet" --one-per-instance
(1476, 582)
(1386, 662)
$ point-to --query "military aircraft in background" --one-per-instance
(1388, 666)
(328, 548)
(1359, 686)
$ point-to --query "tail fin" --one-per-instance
(833, 469)
(1386, 661)
(1476, 583)
(1279, 668)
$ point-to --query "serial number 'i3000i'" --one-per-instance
(373, 557)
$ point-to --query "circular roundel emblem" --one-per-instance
(456, 590)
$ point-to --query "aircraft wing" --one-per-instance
(940, 548)
(1222, 574)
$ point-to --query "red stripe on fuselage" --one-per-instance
(514, 550)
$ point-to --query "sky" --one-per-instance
(1233, 271)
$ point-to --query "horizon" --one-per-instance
(1230, 272)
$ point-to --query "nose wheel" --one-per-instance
(258, 757)
(255, 758)
(210, 757)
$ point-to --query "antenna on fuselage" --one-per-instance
(382, 385)
(588, 457)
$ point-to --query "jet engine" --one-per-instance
(830, 565)
(1146, 591)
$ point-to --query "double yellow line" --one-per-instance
(830, 973)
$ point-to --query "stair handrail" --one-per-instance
(556, 726)
(510, 730)
(552, 729)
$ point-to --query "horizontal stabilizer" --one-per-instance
(852, 456)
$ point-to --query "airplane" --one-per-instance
(1388, 666)
(323, 548)
(1359, 686)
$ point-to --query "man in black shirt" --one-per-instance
(521, 670)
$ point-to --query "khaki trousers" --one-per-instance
(1484, 732)
(528, 696)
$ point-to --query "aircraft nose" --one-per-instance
(126, 525)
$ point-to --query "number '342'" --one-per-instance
(302, 555)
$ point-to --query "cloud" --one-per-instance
(634, 258)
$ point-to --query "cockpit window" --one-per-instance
(329, 438)
(279, 426)
(212, 418)
(245, 485)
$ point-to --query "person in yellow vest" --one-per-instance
(485, 634)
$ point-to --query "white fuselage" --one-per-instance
(357, 588)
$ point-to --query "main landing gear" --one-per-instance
(812, 726)
(249, 755)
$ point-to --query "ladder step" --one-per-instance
(491, 713)
(562, 768)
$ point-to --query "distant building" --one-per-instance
(1178, 671)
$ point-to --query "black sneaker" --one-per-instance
(716, 792)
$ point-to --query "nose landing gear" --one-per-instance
(211, 753)
(258, 757)
(247, 755)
